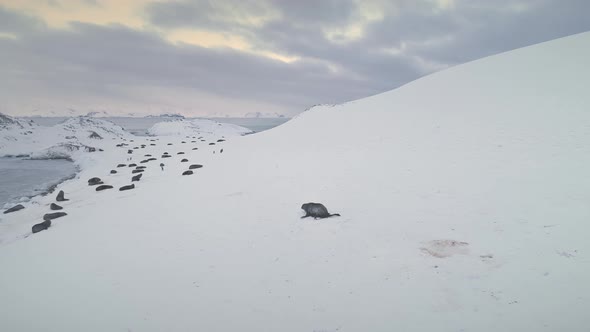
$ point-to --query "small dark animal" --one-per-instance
(136, 171)
(61, 197)
(54, 215)
(103, 187)
(130, 151)
(94, 181)
(140, 167)
(136, 177)
(54, 207)
(169, 143)
(180, 152)
(184, 160)
(187, 173)
(41, 227)
(128, 187)
(211, 143)
(166, 156)
(195, 148)
(221, 151)
(317, 211)
(195, 166)
(220, 140)
(148, 155)
(132, 165)
(162, 165)
(121, 165)
(144, 161)
(113, 171)
(165, 153)
(14, 209)
(152, 159)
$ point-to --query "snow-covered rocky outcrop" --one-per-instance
(77, 134)
(463, 199)
(186, 127)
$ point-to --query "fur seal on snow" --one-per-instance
(113, 171)
(41, 227)
(132, 165)
(184, 160)
(121, 165)
(317, 211)
(187, 173)
(128, 187)
(136, 171)
(136, 177)
(94, 181)
(103, 187)
(54, 215)
(14, 208)
(180, 152)
(61, 197)
(195, 166)
(54, 207)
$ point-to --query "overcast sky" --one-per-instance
(231, 57)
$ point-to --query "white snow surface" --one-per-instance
(464, 201)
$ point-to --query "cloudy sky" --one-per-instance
(231, 57)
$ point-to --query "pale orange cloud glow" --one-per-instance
(130, 13)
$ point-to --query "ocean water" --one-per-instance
(21, 178)
(26, 178)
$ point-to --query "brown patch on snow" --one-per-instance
(445, 248)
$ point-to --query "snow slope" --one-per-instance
(464, 201)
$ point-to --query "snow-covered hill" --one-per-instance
(464, 201)
(184, 127)
(60, 141)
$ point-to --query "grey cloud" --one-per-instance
(14, 22)
(106, 61)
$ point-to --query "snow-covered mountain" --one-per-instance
(463, 199)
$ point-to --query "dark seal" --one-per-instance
(317, 211)
(14, 209)
(41, 227)
(187, 173)
(54, 215)
(103, 187)
(61, 197)
(128, 187)
(55, 207)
